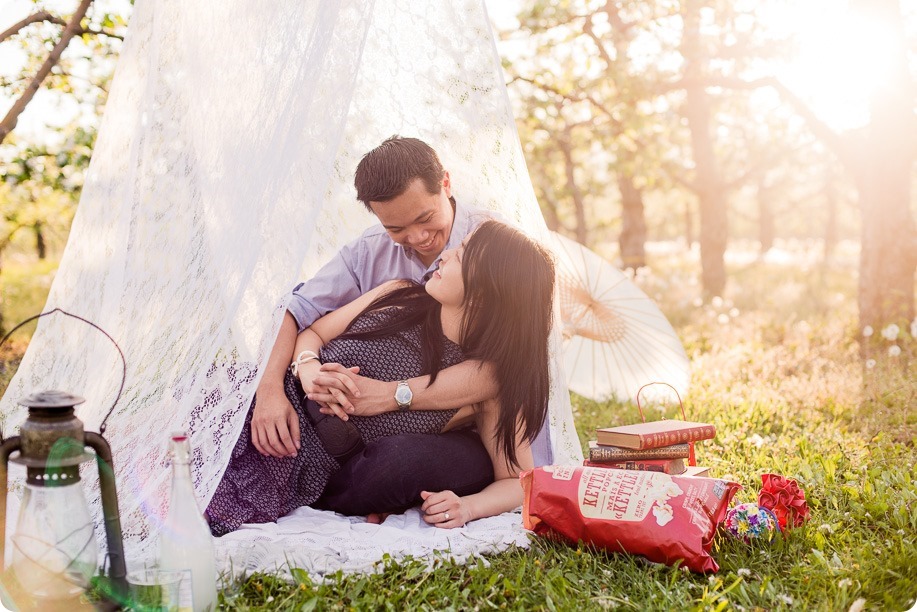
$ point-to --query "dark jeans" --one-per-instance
(389, 473)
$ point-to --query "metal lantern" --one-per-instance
(54, 551)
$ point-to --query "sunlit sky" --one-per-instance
(840, 61)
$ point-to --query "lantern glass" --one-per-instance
(54, 548)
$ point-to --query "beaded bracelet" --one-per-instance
(303, 357)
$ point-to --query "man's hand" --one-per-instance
(444, 509)
(275, 425)
(344, 392)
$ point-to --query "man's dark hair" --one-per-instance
(388, 170)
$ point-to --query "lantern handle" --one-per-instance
(88, 322)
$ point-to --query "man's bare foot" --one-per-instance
(377, 518)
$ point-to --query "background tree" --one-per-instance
(681, 96)
(66, 61)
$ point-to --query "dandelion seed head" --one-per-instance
(870, 364)
(867, 331)
(894, 350)
(723, 319)
(890, 332)
(716, 302)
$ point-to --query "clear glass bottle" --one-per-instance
(185, 543)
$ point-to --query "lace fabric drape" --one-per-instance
(221, 176)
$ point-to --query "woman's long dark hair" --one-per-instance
(509, 286)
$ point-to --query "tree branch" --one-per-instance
(818, 127)
(35, 18)
(758, 168)
(70, 30)
(821, 130)
(691, 186)
(81, 31)
(616, 123)
(49, 18)
(590, 32)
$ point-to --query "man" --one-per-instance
(404, 184)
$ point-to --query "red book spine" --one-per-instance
(667, 438)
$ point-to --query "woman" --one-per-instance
(489, 300)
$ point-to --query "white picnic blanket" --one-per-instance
(323, 542)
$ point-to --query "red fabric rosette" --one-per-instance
(785, 499)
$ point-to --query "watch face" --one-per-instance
(403, 394)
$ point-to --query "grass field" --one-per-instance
(776, 368)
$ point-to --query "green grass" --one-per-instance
(776, 369)
(24, 287)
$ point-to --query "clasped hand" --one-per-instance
(339, 390)
(343, 392)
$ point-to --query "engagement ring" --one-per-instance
(447, 516)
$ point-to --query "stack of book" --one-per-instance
(657, 446)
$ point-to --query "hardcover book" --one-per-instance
(697, 470)
(666, 466)
(600, 452)
(654, 434)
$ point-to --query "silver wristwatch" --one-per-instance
(403, 396)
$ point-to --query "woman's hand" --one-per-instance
(445, 509)
(314, 381)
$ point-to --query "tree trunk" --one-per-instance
(579, 208)
(831, 231)
(708, 184)
(549, 205)
(633, 224)
(2, 305)
(689, 225)
(766, 227)
(888, 245)
(888, 257)
(40, 246)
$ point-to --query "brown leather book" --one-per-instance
(600, 452)
(654, 434)
(666, 466)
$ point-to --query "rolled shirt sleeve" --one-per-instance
(334, 285)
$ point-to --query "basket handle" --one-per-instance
(692, 461)
(90, 323)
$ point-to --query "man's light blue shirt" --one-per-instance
(367, 262)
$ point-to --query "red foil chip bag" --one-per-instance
(664, 518)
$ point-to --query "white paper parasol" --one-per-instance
(615, 337)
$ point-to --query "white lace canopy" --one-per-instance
(222, 175)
